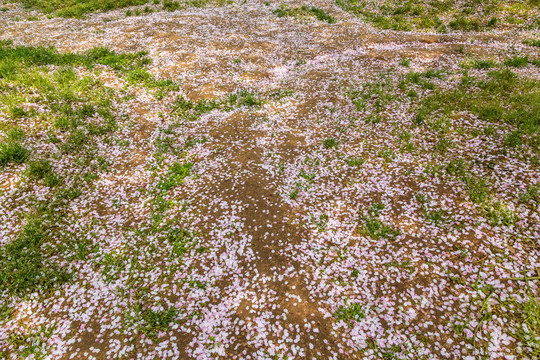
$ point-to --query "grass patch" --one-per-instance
(350, 313)
(376, 228)
(331, 143)
(532, 42)
(11, 151)
(78, 115)
(191, 110)
(440, 16)
(78, 8)
(173, 5)
(303, 12)
(175, 176)
(500, 97)
(25, 267)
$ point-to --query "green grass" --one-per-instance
(331, 143)
(355, 161)
(532, 42)
(529, 331)
(350, 313)
(376, 228)
(441, 16)
(501, 96)
(78, 8)
(173, 5)
(42, 170)
(25, 267)
(531, 194)
(379, 93)
(517, 61)
(191, 110)
(11, 151)
(79, 114)
(175, 176)
(303, 11)
(152, 320)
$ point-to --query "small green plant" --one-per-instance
(12, 152)
(175, 176)
(484, 64)
(532, 42)
(331, 143)
(531, 194)
(405, 264)
(24, 264)
(42, 170)
(152, 320)
(181, 240)
(321, 221)
(375, 227)
(350, 313)
(517, 61)
(303, 11)
(355, 161)
(405, 62)
(477, 189)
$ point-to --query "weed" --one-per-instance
(175, 176)
(477, 189)
(42, 170)
(355, 161)
(517, 61)
(375, 227)
(531, 194)
(499, 214)
(155, 319)
(532, 42)
(321, 222)
(331, 143)
(12, 152)
(405, 62)
(405, 264)
(350, 313)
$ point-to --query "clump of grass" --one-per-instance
(520, 106)
(355, 161)
(532, 42)
(350, 313)
(517, 61)
(405, 62)
(78, 8)
(330, 143)
(180, 239)
(375, 227)
(244, 98)
(378, 93)
(483, 64)
(12, 151)
(42, 170)
(434, 15)
(303, 11)
(153, 320)
(529, 331)
(531, 194)
(24, 265)
(175, 176)
(190, 109)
